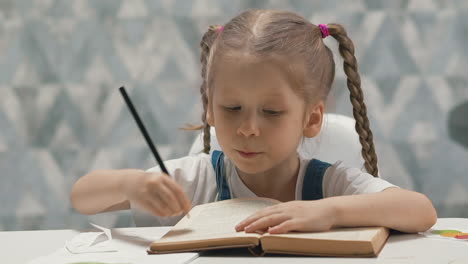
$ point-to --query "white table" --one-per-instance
(22, 246)
(18, 247)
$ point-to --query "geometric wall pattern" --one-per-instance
(61, 114)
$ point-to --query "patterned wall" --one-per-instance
(61, 115)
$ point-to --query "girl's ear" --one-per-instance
(313, 120)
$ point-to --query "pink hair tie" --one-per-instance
(324, 30)
(220, 29)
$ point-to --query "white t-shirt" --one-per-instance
(196, 176)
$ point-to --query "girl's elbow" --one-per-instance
(428, 214)
(425, 224)
(421, 213)
(76, 202)
(432, 218)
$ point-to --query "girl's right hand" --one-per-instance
(156, 193)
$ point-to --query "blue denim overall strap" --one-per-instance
(313, 180)
(217, 159)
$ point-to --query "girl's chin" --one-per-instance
(248, 168)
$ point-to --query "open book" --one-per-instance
(211, 226)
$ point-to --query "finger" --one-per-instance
(155, 208)
(187, 203)
(168, 199)
(265, 222)
(256, 216)
(182, 199)
(284, 227)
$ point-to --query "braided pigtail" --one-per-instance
(346, 49)
(205, 45)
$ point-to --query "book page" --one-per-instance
(216, 220)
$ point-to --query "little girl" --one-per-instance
(266, 75)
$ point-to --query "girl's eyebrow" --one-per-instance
(275, 95)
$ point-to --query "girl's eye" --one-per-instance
(271, 112)
(233, 108)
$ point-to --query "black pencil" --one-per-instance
(143, 131)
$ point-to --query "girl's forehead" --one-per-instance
(245, 70)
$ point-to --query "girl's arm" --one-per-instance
(101, 191)
(396, 208)
(110, 190)
(399, 209)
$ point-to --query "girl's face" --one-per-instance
(258, 117)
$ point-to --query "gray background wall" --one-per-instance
(61, 115)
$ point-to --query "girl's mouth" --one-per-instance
(248, 154)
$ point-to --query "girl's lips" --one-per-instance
(248, 154)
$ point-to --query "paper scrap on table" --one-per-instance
(89, 242)
(120, 247)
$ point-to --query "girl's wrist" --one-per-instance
(128, 180)
(334, 211)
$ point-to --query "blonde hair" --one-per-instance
(281, 33)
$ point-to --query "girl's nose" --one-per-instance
(249, 127)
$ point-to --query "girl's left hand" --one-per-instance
(291, 216)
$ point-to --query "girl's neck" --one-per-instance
(278, 182)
